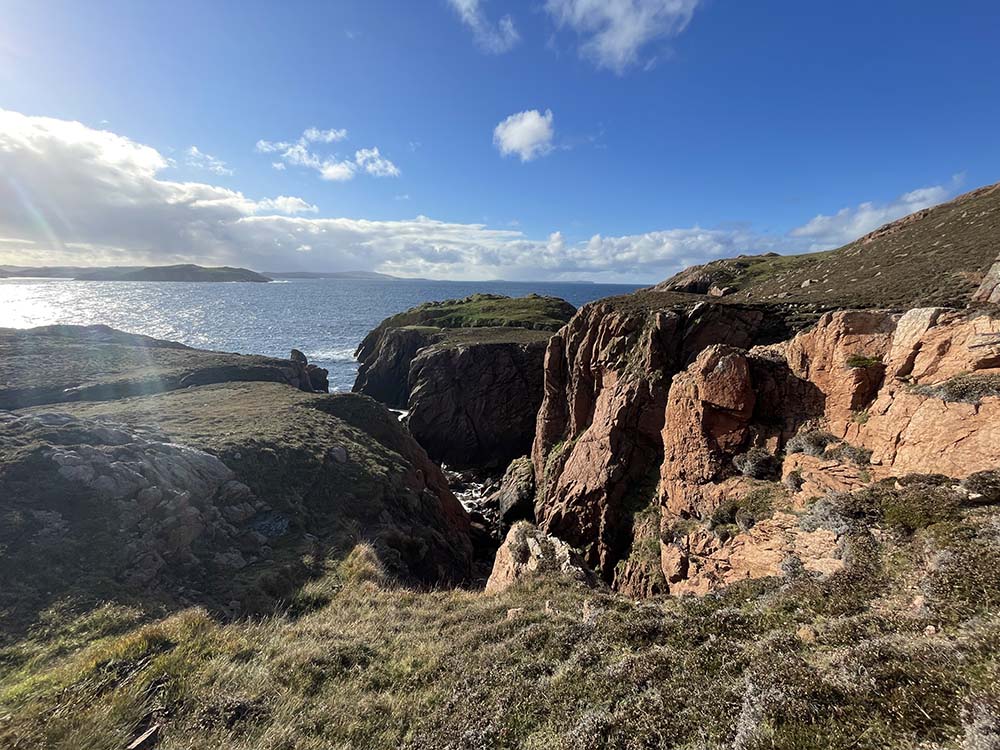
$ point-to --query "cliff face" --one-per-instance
(229, 495)
(892, 395)
(469, 372)
(659, 427)
(671, 419)
(385, 356)
(598, 435)
(473, 402)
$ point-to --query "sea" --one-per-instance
(324, 318)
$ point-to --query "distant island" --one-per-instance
(182, 272)
(357, 275)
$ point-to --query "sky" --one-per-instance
(603, 140)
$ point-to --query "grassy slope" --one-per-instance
(934, 257)
(487, 311)
(357, 662)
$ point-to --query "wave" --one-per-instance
(343, 354)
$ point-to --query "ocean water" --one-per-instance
(324, 318)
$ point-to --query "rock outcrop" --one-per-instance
(527, 552)
(598, 444)
(227, 495)
(475, 405)
(65, 363)
(665, 408)
(469, 373)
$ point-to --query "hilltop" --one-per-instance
(937, 256)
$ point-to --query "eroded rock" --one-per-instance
(528, 552)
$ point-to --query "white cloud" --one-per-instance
(315, 135)
(493, 39)
(827, 232)
(201, 160)
(331, 168)
(614, 32)
(528, 134)
(73, 195)
(337, 171)
(285, 204)
(370, 160)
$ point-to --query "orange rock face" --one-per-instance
(598, 446)
(701, 562)
(678, 392)
(834, 356)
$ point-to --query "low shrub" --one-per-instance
(757, 463)
(969, 388)
(986, 484)
(812, 443)
(744, 512)
(845, 452)
(794, 481)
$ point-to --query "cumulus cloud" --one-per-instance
(614, 32)
(70, 194)
(298, 153)
(495, 39)
(827, 232)
(200, 160)
(528, 134)
(370, 160)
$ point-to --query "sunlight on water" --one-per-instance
(325, 318)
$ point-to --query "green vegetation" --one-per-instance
(812, 443)
(845, 452)
(487, 311)
(935, 257)
(862, 361)
(801, 663)
(970, 388)
(746, 511)
(757, 463)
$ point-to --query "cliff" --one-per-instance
(668, 412)
(468, 371)
(226, 492)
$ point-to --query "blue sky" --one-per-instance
(658, 133)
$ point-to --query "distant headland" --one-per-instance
(183, 272)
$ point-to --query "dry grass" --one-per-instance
(360, 663)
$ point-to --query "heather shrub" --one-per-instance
(812, 443)
(757, 463)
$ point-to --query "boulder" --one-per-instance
(989, 289)
(527, 552)
(514, 499)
